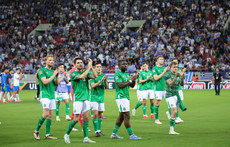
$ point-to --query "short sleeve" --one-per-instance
(73, 76)
(117, 78)
(41, 73)
(154, 71)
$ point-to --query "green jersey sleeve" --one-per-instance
(41, 73)
(117, 78)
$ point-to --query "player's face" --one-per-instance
(160, 60)
(61, 68)
(123, 66)
(7, 71)
(17, 71)
(174, 68)
(217, 70)
(50, 61)
(98, 68)
(79, 64)
(11, 72)
(146, 67)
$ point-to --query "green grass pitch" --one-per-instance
(206, 123)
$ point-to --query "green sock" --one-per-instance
(177, 114)
(99, 124)
(152, 109)
(116, 128)
(156, 108)
(48, 126)
(57, 109)
(71, 125)
(172, 122)
(85, 128)
(67, 108)
(95, 123)
(40, 122)
(181, 105)
(170, 112)
(130, 131)
(144, 109)
(138, 105)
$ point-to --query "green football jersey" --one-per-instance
(160, 83)
(171, 90)
(48, 90)
(80, 86)
(97, 93)
(148, 85)
(138, 83)
(121, 92)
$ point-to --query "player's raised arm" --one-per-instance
(172, 82)
(94, 75)
(157, 77)
(94, 85)
(43, 78)
(106, 83)
(143, 81)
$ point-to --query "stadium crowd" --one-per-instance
(191, 31)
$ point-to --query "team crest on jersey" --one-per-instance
(116, 78)
(154, 71)
(40, 72)
(73, 74)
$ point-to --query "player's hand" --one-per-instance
(106, 76)
(152, 79)
(55, 72)
(167, 69)
(90, 63)
(135, 77)
(149, 76)
(177, 74)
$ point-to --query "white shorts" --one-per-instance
(181, 95)
(148, 94)
(123, 105)
(48, 103)
(81, 107)
(98, 106)
(159, 95)
(61, 96)
(172, 102)
(139, 97)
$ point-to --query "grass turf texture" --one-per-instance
(206, 123)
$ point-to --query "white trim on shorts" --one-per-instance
(81, 107)
(159, 95)
(48, 103)
(98, 106)
(148, 94)
(123, 105)
(65, 96)
(172, 102)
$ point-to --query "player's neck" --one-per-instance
(160, 65)
(80, 70)
(48, 67)
(122, 71)
(99, 73)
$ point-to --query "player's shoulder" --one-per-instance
(117, 73)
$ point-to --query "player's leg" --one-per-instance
(119, 120)
(126, 116)
(52, 107)
(57, 110)
(173, 105)
(77, 109)
(216, 88)
(100, 114)
(86, 113)
(159, 96)
(17, 95)
(144, 101)
(45, 113)
(138, 103)
(151, 98)
(4, 97)
(94, 108)
(1, 95)
(66, 100)
(14, 94)
(178, 119)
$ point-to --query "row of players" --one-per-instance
(10, 85)
(49, 79)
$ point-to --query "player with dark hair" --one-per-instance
(122, 84)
